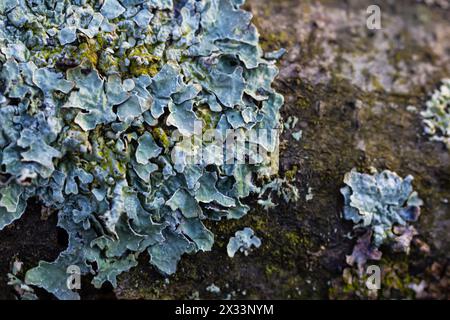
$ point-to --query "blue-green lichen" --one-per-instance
(91, 96)
(243, 241)
(436, 117)
(383, 205)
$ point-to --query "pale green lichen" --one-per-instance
(437, 115)
(383, 205)
(22, 290)
(243, 241)
(92, 95)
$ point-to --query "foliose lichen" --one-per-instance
(22, 290)
(283, 188)
(437, 115)
(94, 97)
(243, 241)
(383, 205)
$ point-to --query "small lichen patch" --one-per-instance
(437, 115)
(383, 205)
(243, 241)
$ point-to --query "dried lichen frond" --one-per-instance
(437, 115)
(91, 94)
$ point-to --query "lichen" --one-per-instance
(383, 205)
(95, 98)
(437, 115)
(243, 241)
(23, 291)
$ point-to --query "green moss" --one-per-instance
(293, 238)
(161, 136)
(108, 64)
(270, 270)
(143, 62)
(47, 53)
(92, 52)
(276, 40)
(88, 52)
(291, 174)
(102, 41)
(209, 118)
